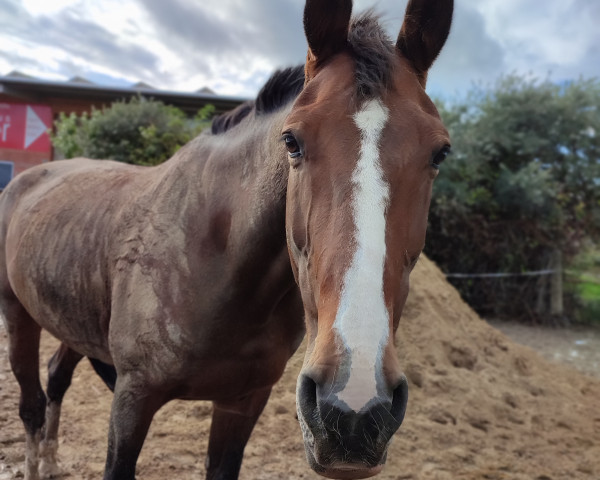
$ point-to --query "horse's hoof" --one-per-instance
(49, 470)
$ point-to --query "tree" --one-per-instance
(143, 132)
(523, 182)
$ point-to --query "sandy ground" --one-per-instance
(480, 407)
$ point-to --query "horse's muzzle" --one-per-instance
(342, 443)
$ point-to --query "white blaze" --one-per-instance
(362, 318)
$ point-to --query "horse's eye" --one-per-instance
(292, 145)
(440, 156)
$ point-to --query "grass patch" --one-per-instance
(589, 291)
(583, 281)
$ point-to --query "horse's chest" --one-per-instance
(232, 367)
(230, 356)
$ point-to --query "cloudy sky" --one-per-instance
(232, 46)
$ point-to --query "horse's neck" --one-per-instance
(240, 174)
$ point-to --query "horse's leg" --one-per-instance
(60, 372)
(23, 353)
(231, 426)
(131, 414)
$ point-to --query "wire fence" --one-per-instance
(552, 291)
(501, 275)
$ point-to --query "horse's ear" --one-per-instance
(424, 31)
(326, 24)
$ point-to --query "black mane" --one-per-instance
(283, 86)
(225, 121)
(372, 50)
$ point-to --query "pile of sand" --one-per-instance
(480, 407)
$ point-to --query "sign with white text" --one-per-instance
(25, 127)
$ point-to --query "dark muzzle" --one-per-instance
(342, 443)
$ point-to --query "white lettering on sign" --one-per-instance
(4, 130)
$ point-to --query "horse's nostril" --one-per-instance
(400, 399)
(307, 393)
(306, 399)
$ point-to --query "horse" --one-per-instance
(300, 215)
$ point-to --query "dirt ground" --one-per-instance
(480, 407)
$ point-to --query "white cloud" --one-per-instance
(554, 35)
(233, 45)
(45, 7)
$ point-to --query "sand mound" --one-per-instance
(480, 407)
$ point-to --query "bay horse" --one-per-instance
(302, 213)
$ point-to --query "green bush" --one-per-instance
(523, 181)
(142, 132)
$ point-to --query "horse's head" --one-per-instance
(364, 143)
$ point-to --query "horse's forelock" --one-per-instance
(373, 52)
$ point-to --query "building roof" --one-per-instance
(36, 90)
(78, 79)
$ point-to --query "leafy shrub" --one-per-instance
(523, 181)
(143, 132)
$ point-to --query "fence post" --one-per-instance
(541, 301)
(556, 302)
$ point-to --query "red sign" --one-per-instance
(25, 127)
